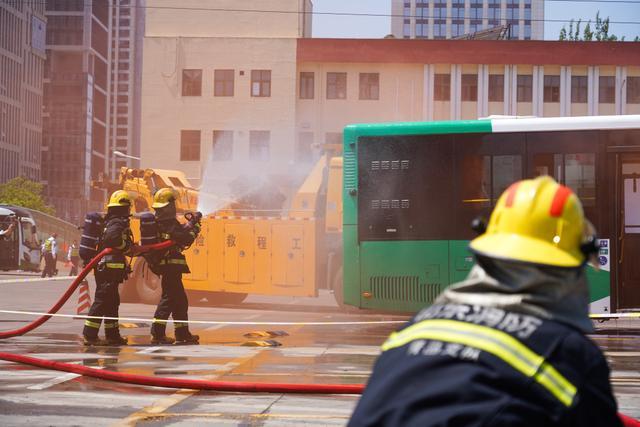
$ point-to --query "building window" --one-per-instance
(189, 145)
(579, 89)
(259, 145)
(607, 90)
(551, 88)
(222, 149)
(261, 83)
(633, 90)
(369, 86)
(336, 85)
(525, 88)
(223, 82)
(441, 87)
(469, 87)
(496, 88)
(304, 148)
(191, 82)
(307, 85)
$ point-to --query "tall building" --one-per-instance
(22, 57)
(444, 19)
(76, 102)
(127, 31)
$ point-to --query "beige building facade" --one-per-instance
(459, 80)
(266, 105)
(221, 88)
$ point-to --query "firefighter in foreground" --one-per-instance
(171, 265)
(110, 271)
(507, 345)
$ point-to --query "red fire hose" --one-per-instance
(186, 383)
(86, 270)
(194, 384)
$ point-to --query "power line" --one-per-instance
(357, 14)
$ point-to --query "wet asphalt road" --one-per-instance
(342, 354)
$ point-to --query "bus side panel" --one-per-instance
(599, 290)
(403, 275)
(461, 260)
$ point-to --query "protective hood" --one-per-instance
(553, 293)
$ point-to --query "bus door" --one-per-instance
(628, 239)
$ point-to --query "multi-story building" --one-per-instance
(355, 81)
(444, 19)
(22, 57)
(76, 102)
(127, 22)
(220, 82)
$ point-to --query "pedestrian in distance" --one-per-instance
(111, 270)
(73, 256)
(171, 265)
(506, 346)
(50, 254)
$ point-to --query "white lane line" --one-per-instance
(148, 350)
(53, 381)
(38, 279)
(217, 322)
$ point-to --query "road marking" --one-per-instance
(149, 350)
(53, 381)
(215, 322)
(38, 279)
(236, 416)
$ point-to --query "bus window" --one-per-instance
(506, 170)
(29, 235)
(475, 181)
(575, 170)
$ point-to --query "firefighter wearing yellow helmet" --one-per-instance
(506, 346)
(171, 266)
(110, 272)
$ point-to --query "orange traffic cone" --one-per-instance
(84, 299)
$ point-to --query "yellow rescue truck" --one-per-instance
(242, 250)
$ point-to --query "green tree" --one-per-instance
(599, 33)
(23, 192)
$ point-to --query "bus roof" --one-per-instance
(494, 125)
(22, 212)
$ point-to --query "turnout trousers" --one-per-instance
(173, 303)
(49, 265)
(105, 303)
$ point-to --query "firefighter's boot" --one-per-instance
(91, 341)
(184, 337)
(158, 334)
(112, 334)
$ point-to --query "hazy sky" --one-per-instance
(376, 27)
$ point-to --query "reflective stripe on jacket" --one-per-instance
(457, 364)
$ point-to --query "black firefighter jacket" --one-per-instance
(461, 365)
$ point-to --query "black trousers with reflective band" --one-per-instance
(173, 303)
(105, 303)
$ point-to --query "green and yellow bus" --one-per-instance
(411, 190)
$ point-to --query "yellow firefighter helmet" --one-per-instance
(163, 197)
(538, 221)
(119, 198)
